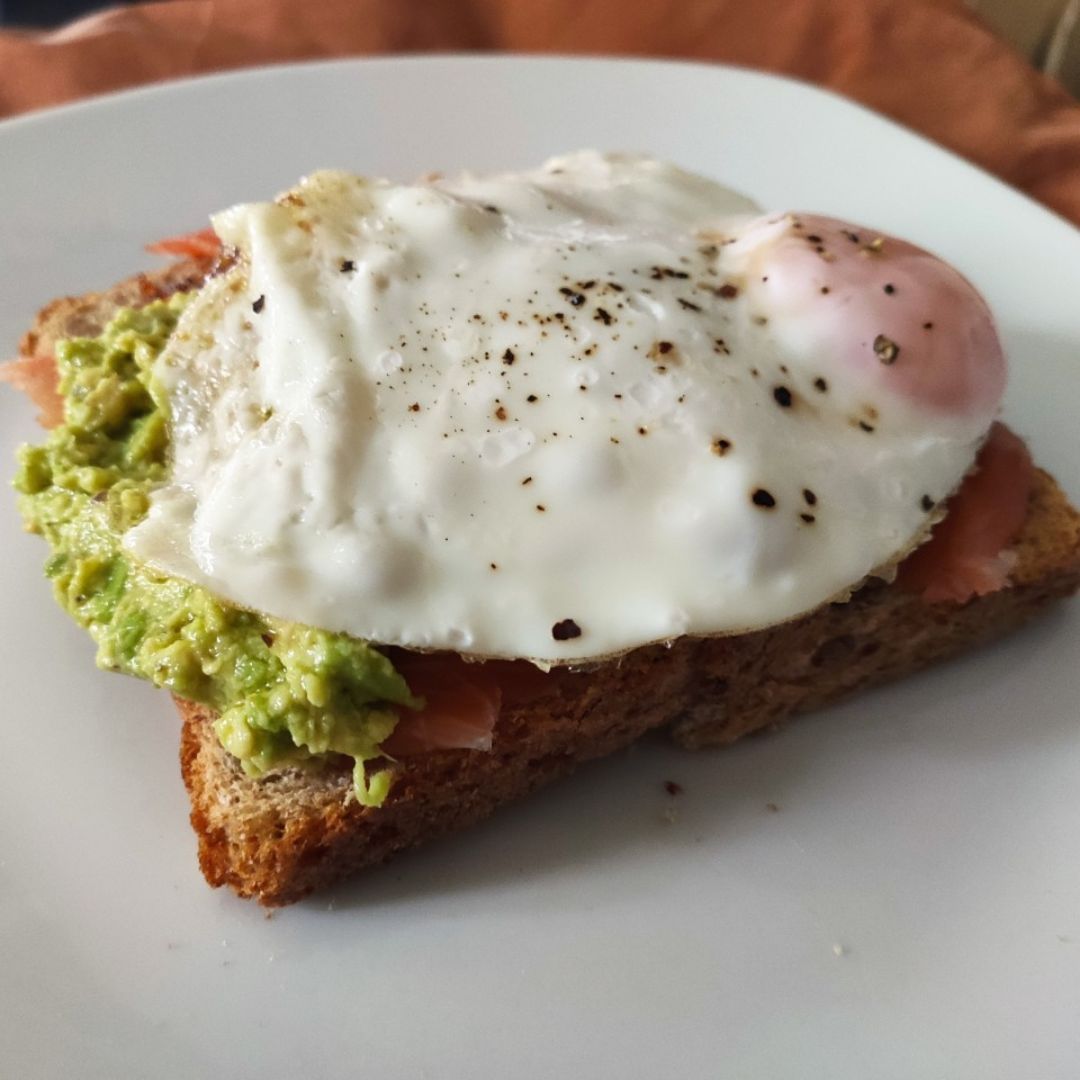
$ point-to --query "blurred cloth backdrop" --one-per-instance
(1047, 32)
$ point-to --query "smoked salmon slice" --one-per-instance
(966, 555)
(38, 378)
(462, 700)
(203, 245)
(461, 705)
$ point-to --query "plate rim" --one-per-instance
(215, 903)
(288, 68)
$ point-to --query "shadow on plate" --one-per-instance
(1007, 699)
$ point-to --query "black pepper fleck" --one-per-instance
(821, 385)
(659, 272)
(782, 396)
(808, 518)
(763, 498)
(889, 289)
(926, 503)
(259, 305)
(810, 497)
(721, 446)
(508, 357)
(565, 629)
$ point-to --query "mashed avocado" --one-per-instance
(284, 692)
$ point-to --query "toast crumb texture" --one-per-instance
(279, 838)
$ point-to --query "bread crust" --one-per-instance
(279, 838)
(87, 315)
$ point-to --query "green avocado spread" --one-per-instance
(284, 693)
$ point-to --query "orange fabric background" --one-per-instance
(927, 63)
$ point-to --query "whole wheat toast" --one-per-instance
(280, 837)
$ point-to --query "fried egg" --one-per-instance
(561, 413)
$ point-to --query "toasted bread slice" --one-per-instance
(283, 836)
(280, 837)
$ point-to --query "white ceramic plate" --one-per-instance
(912, 909)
